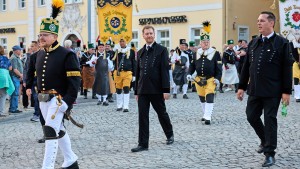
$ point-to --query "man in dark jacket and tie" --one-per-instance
(152, 86)
(267, 77)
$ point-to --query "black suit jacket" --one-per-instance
(267, 71)
(152, 71)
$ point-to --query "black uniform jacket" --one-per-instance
(128, 64)
(229, 57)
(56, 69)
(267, 70)
(86, 56)
(152, 72)
(205, 67)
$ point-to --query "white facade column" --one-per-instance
(93, 22)
(31, 21)
(49, 7)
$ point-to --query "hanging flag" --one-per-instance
(290, 20)
(115, 20)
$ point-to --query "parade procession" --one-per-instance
(149, 84)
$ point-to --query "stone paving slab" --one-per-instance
(108, 136)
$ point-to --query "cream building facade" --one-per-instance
(172, 19)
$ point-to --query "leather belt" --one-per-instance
(52, 91)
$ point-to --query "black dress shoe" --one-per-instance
(207, 122)
(16, 111)
(174, 96)
(119, 109)
(99, 102)
(185, 96)
(73, 166)
(221, 91)
(139, 148)
(94, 97)
(170, 140)
(260, 149)
(125, 110)
(203, 119)
(105, 103)
(269, 161)
(297, 100)
(41, 140)
(110, 100)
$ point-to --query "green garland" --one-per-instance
(288, 21)
(117, 32)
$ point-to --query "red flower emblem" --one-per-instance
(296, 16)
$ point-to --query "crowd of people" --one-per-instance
(152, 73)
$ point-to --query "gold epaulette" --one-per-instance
(73, 73)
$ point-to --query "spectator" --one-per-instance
(6, 84)
(16, 76)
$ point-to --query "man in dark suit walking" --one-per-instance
(267, 77)
(152, 86)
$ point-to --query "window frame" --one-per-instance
(2, 44)
(192, 33)
(40, 3)
(135, 40)
(248, 31)
(2, 5)
(159, 39)
(20, 4)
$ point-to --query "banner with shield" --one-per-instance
(115, 20)
(290, 20)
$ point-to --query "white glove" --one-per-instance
(133, 78)
(63, 106)
(189, 77)
(217, 82)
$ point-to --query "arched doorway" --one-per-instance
(74, 39)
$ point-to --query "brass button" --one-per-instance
(46, 57)
(43, 75)
(43, 70)
(44, 89)
(44, 66)
(43, 84)
(45, 61)
(43, 79)
(47, 53)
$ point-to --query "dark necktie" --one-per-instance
(265, 39)
(148, 47)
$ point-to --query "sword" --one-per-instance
(69, 117)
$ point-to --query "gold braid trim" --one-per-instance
(73, 73)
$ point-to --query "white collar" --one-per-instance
(270, 35)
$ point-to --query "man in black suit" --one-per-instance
(152, 86)
(267, 77)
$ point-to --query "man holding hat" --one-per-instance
(124, 74)
(229, 73)
(208, 65)
(16, 76)
(181, 60)
(87, 69)
(58, 80)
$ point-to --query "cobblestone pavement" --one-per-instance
(108, 136)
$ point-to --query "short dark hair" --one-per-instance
(35, 42)
(10, 53)
(271, 16)
(240, 41)
(245, 41)
(148, 27)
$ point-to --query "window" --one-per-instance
(22, 4)
(135, 39)
(68, 1)
(3, 42)
(77, 1)
(243, 33)
(195, 35)
(3, 5)
(163, 38)
(42, 2)
(23, 40)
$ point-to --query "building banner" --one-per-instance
(289, 11)
(115, 20)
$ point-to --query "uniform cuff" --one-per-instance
(166, 90)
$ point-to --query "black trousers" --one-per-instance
(159, 106)
(267, 132)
